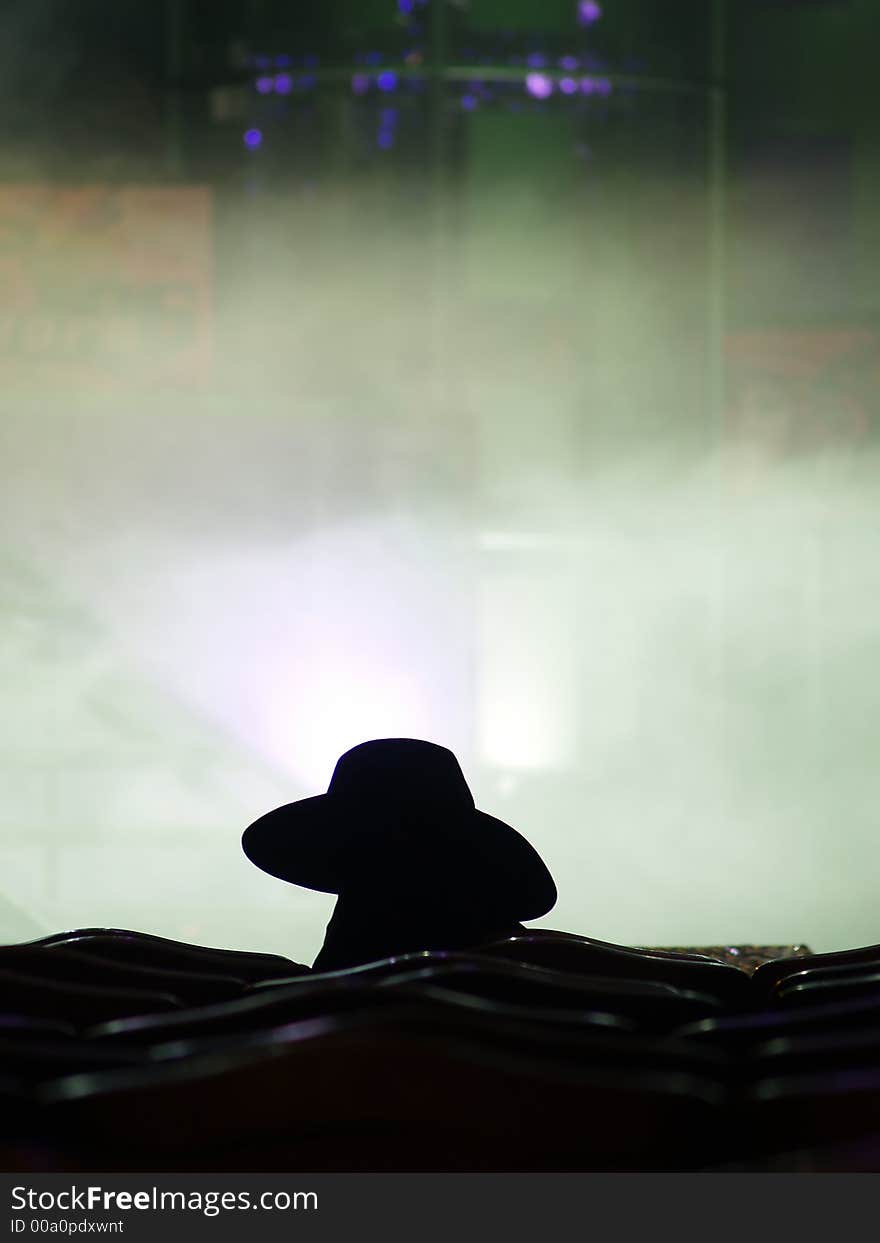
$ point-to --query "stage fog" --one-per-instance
(355, 441)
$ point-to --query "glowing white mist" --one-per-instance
(459, 502)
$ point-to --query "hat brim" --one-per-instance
(310, 843)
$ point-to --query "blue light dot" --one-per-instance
(468, 102)
(387, 81)
(253, 138)
(589, 11)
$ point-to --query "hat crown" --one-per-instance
(404, 773)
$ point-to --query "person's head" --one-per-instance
(397, 831)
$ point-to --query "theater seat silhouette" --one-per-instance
(38, 1060)
(371, 1093)
(73, 966)
(769, 974)
(651, 1004)
(746, 1031)
(25, 1027)
(801, 1111)
(817, 1053)
(79, 1004)
(651, 952)
(829, 985)
(18, 1109)
(145, 949)
(728, 984)
(389, 982)
(254, 1014)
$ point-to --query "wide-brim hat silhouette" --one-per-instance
(398, 815)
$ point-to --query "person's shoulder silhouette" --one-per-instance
(415, 865)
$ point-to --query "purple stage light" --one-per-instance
(569, 62)
(568, 86)
(536, 60)
(406, 6)
(252, 139)
(588, 86)
(385, 139)
(284, 84)
(468, 102)
(603, 87)
(282, 62)
(387, 81)
(539, 85)
(264, 85)
(360, 84)
(589, 11)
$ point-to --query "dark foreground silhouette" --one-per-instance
(415, 865)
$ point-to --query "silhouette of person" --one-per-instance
(415, 865)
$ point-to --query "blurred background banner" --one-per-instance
(804, 389)
(502, 374)
(104, 287)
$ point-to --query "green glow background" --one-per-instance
(455, 473)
